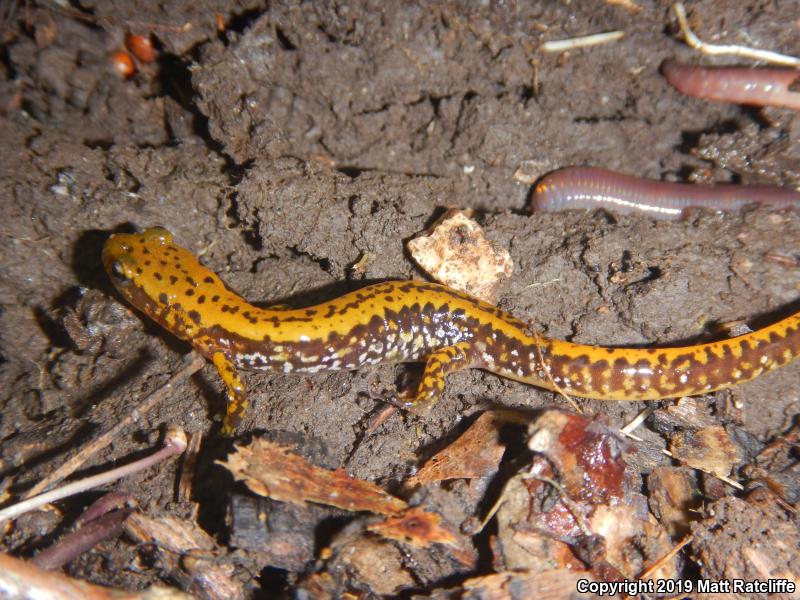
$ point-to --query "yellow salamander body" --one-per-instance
(412, 321)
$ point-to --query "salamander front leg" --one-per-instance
(438, 365)
(237, 399)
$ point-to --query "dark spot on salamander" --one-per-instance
(147, 263)
(201, 298)
(173, 280)
(145, 250)
(310, 312)
(191, 281)
(194, 316)
(215, 298)
(158, 276)
(162, 297)
(209, 279)
(190, 292)
(163, 263)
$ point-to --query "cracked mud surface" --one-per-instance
(306, 137)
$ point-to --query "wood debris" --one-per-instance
(456, 252)
(272, 470)
(476, 453)
(708, 449)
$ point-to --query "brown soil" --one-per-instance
(305, 137)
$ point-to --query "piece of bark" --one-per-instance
(708, 449)
(673, 499)
(283, 534)
(476, 453)
(272, 470)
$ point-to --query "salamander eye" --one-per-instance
(118, 271)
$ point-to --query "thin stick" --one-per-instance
(191, 365)
(714, 49)
(582, 42)
(638, 420)
(175, 443)
(656, 565)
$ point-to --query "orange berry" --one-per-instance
(123, 64)
(141, 47)
(220, 22)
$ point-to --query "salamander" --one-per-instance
(412, 321)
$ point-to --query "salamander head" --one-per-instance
(155, 276)
(132, 260)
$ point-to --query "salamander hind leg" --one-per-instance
(438, 365)
(237, 399)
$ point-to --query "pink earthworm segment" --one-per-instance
(739, 85)
(591, 188)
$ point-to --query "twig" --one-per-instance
(582, 42)
(638, 420)
(189, 467)
(174, 443)
(715, 49)
(193, 363)
(656, 565)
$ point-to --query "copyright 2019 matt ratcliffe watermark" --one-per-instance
(634, 587)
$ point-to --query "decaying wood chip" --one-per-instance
(455, 252)
(270, 469)
(23, 581)
(476, 453)
(416, 527)
(673, 498)
(708, 449)
(685, 414)
(189, 553)
(419, 528)
(284, 535)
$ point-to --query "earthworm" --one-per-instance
(740, 85)
(590, 187)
